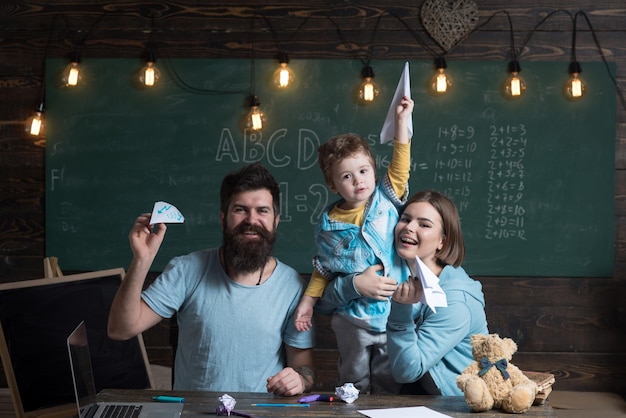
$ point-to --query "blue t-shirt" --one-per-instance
(230, 336)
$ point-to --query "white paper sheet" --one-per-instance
(433, 294)
(166, 213)
(411, 411)
(404, 89)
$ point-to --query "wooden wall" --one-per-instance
(572, 327)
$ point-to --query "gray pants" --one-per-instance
(363, 358)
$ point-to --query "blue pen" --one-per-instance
(174, 399)
(306, 405)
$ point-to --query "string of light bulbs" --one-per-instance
(255, 118)
(284, 77)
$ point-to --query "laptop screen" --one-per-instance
(82, 373)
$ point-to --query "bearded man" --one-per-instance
(234, 305)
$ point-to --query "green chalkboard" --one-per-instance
(533, 178)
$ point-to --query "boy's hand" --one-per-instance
(304, 313)
(303, 318)
(404, 108)
(403, 113)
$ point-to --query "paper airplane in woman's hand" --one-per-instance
(433, 295)
(166, 213)
(404, 89)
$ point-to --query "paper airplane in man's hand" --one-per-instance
(404, 89)
(433, 295)
(166, 213)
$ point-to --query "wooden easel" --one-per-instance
(51, 267)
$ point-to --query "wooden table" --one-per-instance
(204, 404)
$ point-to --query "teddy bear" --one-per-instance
(491, 381)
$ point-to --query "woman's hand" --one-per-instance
(409, 292)
(372, 285)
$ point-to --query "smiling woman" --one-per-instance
(429, 347)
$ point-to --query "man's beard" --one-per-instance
(247, 255)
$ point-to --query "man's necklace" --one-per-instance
(226, 268)
(261, 275)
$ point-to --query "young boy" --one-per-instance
(354, 233)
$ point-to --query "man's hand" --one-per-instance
(287, 382)
(372, 285)
(145, 239)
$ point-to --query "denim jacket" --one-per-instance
(344, 249)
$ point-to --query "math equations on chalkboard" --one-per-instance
(533, 178)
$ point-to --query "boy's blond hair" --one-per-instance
(339, 147)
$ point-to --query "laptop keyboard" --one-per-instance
(121, 411)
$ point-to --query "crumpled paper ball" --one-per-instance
(227, 404)
(347, 393)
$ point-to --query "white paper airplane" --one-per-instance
(433, 295)
(404, 89)
(166, 213)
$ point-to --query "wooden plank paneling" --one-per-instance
(572, 371)
(550, 329)
(552, 291)
(578, 371)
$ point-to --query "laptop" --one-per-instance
(85, 388)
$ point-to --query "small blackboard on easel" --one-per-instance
(36, 316)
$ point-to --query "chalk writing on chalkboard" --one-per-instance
(533, 178)
(505, 176)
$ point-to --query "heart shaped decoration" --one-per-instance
(449, 22)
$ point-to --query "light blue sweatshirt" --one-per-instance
(420, 341)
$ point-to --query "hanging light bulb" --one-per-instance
(368, 91)
(283, 76)
(256, 118)
(514, 86)
(72, 74)
(575, 87)
(35, 123)
(149, 74)
(441, 81)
